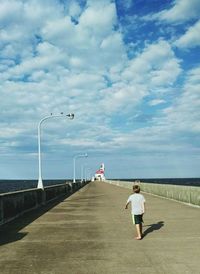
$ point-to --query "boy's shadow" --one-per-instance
(153, 227)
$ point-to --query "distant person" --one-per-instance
(137, 201)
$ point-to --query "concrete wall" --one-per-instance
(15, 204)
(186, 194)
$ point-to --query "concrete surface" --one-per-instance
(91, 232)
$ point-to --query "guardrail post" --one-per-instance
(190, 195)
(1, 210)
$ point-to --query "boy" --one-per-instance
(137, 201)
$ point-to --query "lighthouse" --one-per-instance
(99, 175)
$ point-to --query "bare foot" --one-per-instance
(138, 238)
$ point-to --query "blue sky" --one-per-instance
(129, 70)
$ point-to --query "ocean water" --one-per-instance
(15, 185)
(169, 181)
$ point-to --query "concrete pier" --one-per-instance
(90, 232)
(15, 204)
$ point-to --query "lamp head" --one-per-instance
(70, 115)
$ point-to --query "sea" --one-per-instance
(16, 185)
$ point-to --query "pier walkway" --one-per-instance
(90, 232)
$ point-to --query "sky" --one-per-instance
(128, 70)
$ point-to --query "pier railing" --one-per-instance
(15, 204)
(186, 194)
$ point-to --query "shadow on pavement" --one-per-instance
(153, 227)
(10, 232)
(10, 237)
(89, 197)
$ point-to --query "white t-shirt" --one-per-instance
(137, 203)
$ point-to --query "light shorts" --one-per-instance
(137, 219)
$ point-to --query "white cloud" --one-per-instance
(64, 69)
(175, 125)
(84, 81)
(184, 112)
(99, 18)
(122, 97)
(48, 56)
(156, 65)
(182, 11)
(191, 38)
(10, 11)
(91, 43)
(193, 76)
(9, 132)
(156, 102)
(74, 9)
(74, 58)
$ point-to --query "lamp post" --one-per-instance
(87, 174)
(74, 160)
(70, 116)
(83, 172)
(82, 167)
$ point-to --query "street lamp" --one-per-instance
(74, 160)
(83, 172)
(87, 173)
(82, 167)
(71, 117)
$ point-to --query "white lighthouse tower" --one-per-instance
(99, 175)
